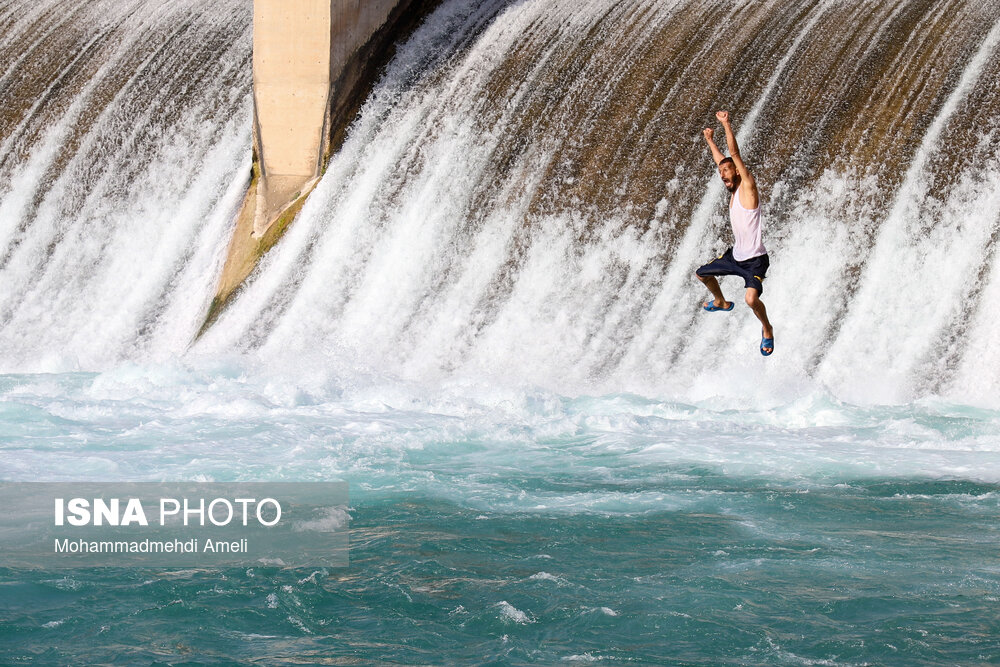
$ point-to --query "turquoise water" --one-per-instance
(519, 526)
(484, 321)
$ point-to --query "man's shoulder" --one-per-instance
(751, 191)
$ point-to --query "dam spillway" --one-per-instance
(509, 144)
(527, 193)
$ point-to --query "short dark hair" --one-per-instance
(725, 160)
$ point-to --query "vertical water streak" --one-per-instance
(917, 272)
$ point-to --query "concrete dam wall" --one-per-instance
(314, 62)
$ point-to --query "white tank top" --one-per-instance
(746, 230)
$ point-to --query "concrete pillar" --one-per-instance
(313, 64)
(300, 49)
(291, 85)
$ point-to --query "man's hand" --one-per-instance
(709, 138)
(723, 116)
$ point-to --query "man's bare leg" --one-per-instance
(757, 306)
(713, 286)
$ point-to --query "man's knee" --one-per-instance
(752, 297)
(699, 276)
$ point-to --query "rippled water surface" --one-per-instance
(522, 526)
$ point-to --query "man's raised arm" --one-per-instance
(734, 151)
(716, 153)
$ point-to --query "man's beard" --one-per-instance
(733, 187)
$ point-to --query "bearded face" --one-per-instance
(730, 177)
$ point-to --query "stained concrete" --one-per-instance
(300, 48)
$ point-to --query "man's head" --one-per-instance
(727, 170)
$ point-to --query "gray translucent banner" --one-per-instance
(184, 524)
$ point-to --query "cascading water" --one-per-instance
(123, 153)
(485, 321)
(527, 193)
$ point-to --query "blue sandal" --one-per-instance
(766, 342)
(711, 307)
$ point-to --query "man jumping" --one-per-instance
(747, 258)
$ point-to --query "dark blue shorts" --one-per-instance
(753, 270)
